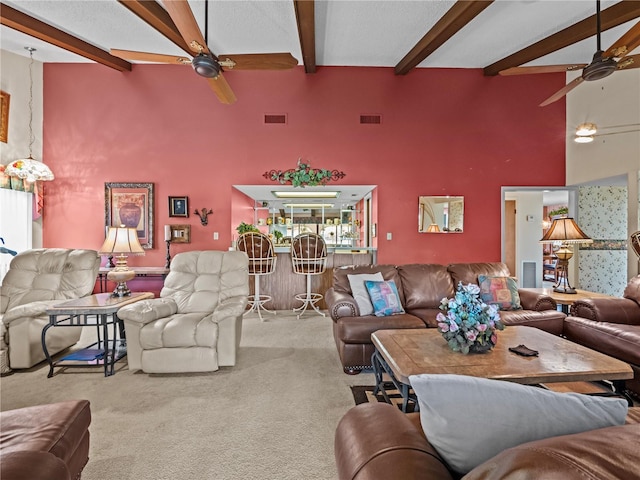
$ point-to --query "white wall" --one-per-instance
(14, 79)
(528, 231)
(613, 101)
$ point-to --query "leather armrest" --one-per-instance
(536, 301)
(32, 465)
(231, 308)
(341, 304)
(376, 441)
(31, 309)
(611, 310)
(147, 311)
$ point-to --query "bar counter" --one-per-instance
(283, 284)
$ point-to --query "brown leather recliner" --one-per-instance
(45, 442)
(421, 287)
(610, 326)
(376, 441)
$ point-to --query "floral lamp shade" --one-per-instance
(29, 170)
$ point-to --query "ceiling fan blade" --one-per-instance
(182, 15)
(542, 69)
(625, 44)
(222, 89)
(258, 61)
(563, 91)
(629, 62)
(150, 57)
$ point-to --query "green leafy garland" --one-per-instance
(303, 175)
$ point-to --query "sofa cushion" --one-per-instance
(468, 420)
(615, 339)
(469, 272)
(568, 457)
(359, 291)
(50, 274)
(359, 329)
(500, 291)
(632, 290)
(425, 285)
(389, 272)
(384, 297)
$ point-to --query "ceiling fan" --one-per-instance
(602, 65)
(204, 62)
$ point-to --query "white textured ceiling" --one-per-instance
(348, 32)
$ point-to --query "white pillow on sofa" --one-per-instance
(469, 420)
(360, 293)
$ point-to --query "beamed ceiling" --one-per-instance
(492, 35)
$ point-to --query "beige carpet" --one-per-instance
(272, 416)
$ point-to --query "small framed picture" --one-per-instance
(180, 233)
(178, 206)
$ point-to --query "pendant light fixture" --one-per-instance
(29, 170)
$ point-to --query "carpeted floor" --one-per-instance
(272, 416)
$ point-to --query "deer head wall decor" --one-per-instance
(203, 215)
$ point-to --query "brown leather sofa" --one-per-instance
(421, 287)
(376, 441)
(610, 326)
(45, 442)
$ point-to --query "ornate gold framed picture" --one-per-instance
(180, 233)
(131, 205)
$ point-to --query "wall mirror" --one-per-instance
(441, 214)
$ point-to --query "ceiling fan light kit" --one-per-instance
(205, 66)
(586, 129)
(599, 68)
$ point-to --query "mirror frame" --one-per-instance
(430, 219)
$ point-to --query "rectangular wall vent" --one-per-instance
(275, 118)
(529, 275)
(370, 119)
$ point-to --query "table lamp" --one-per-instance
(120, 242)
(566, 231)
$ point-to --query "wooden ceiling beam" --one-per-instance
(613, 16)
(12, 18)
(459, 15)
(156, 16)
(305, 18)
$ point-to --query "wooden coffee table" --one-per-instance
(404, 352)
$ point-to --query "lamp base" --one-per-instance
(121, 290)
(121, 277)
(567, 289)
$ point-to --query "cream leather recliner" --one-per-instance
(38, 279)
(195, 325)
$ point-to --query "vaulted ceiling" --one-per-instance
(493, 35)
(496, 36)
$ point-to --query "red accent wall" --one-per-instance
(443, 132)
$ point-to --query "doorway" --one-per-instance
(522, 228)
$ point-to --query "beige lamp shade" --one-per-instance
(121, 241)
(433, 228)
(565, 230)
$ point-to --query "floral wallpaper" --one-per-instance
(603, 216)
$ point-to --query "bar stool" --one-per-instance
(262, 261)
(309, 257)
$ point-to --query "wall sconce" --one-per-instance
(203, 215)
